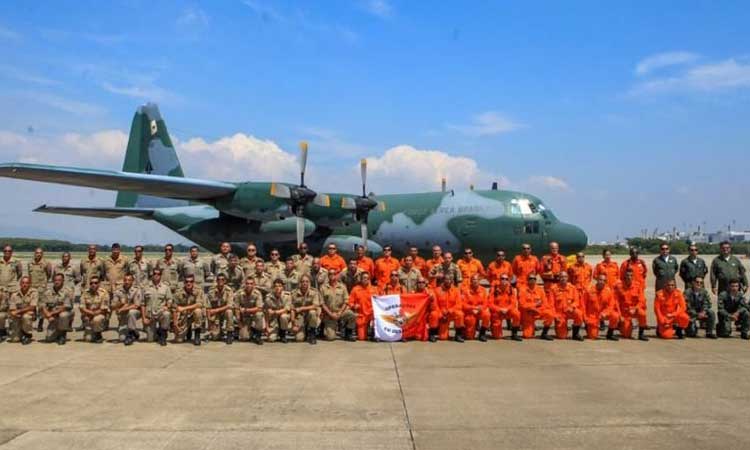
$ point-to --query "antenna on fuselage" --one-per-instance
(494, 185)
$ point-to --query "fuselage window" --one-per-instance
(531, 227)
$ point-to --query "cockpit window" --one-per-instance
(533, 208)
(522, 206)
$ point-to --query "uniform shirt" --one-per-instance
(728, 304)
(71, 275)
(503, 299)
(609, 269)
(598, 301)
(303, 264)
(217, 298)
(10, 272)
(91, 268)
(431, 263)
(252, 300)
(335, 262)
(184, 298)
(452, 271)
(639, 268)
(349, 278)
(697, 301)
(523, 266)
(725, 269)
(219, 264)
(274, 268)
(141, 271)
(157, 297)
(446, 301)
(283, 301)
(534, 299)
(54, 299)
(360, 299)
(367, 265)
(690, 269)
(390, 289)
(19, 300)
(235, 278)
(474, 298)
(290, 279)
(418, 263)
(98, 300)
(664, 270)
(581, 275)
(668, 303)
(169, 274)
(248, 264)
(409, 278)
(629, 297)
(496, 269)
(301, 299)
(40, 273)
(263, 281)
(129, 297)
(551, 266)
(469, 268)
(565, 298)
(383, 268)
(199, 268)
(334, 296)
(319, 278)
(114, 271)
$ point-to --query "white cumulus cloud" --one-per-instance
(709, 77)
(379, 8)
(489, 123)
(661, 60)
(549, 182)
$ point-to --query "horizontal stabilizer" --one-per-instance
(156, 185)
(102, 213)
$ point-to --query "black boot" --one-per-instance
(63, 338)
(459, 335)
(236, 333)
(433, 335)
(97, 338)
(312, 336)
(162, 337)
(710, 334)
(577, 333)
(197, 337)
(282, 337)
(25, 338)
(641, 335)
(744, 335)
(128, 338)
(602, 325)
(350, 335)
(545, 335)
(3, 335)
(482, 334)
(680, 334)
(229, 338)
(514, 335)
(257, 337)
(611, 335)
(40, 325)
(189, 335)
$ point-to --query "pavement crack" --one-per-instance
(403, 399)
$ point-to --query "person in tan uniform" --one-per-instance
(248, 262)
(70, 272)
(40, 272)
(156, 309)
(199, 268)
(249, 311)
(274, 266)
(126, 304)
(21, 311)
(303, 260)
(235, 274)
(318, 275)
(56, 307)
(115, 268)
(220, 262)
(11, 271)
(140, 268)
(220, 311)
(305, 307)
(336, 311)
(277, 308)
(409, 274)
(168, 265)
(290, 276)
(263, 281)
(446, 269)
(349, 276)
(94, 309)
(91, 266)
(188, 311)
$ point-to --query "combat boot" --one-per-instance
(257, 337)
(641, 335)
(514, 335)
(744, 335)
(162, 337)
(282, 337)
(710, 335)
(128, 338)
(680, 334)
(459, 335)
(189, 335)
(433, 335)
(236, 333)
(577, 333)
(611, 335)
(40, 325)
(197, 337)
(63, 338)
(97, 338)
(545, 335)
(25, 338)
(229, 337)
(3, 335)
(312, 336)
(482, 335)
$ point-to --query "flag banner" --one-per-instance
(400, 316)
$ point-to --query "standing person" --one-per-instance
(436, 260)
(568, 306)
(127, 302)
(196, 266)
(600, 304)
(360, 302)
(220, 262)
(156, 309)
(22, 308)
(525, 265)
(274, 266)
(140, 268)
(698, 303)
(188, 311)
(11, 271)
(263, 281)
(692, 267)
(40, 272)
(332, 259)
(69, 271)
(476, 310)
(637, 266)
(665, 267)
(733, 308)
(57, 305)
(249, 261)
(277, 308)
(500, 266)
(504, 306)
(290, 275)
(551, 266)
(168, 266)
(469, 266)
(417, 261)
(670, 310)
(609, 268)
(409, 274)
(364, 262)
(446, 308)
(220, 311)
(726, 267)
(303, 260)
(115, 267)
(447, 269)
(318, 275)
(249, 304)
(385, 266)
(535, 306)
(305, 307)
(336, 311)
(350, 275)
(91, 266)
(581, 273)
(94, 309)
(235, 274)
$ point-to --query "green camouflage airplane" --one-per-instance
(152, 186)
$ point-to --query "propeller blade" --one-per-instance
(280, 190)
(363, 228)
(363, 172)
(302, 161)
(300, 229)
(322, 200)
(348, 203)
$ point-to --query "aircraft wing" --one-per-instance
(103, 213)
(156, 185)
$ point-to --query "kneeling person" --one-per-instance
(94, 310)
(733, 307)
(220, 311)
(600, 305)
(276, 307)
(535, 306)
(128, 300)
(157, 299)
(305, 307)
(698, 304)
(187, 311)
(336, 310)
(21, 311)
(669, 307)
(57, 307)
(249, 304)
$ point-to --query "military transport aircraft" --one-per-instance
(152, 186)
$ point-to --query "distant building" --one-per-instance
(731, 236)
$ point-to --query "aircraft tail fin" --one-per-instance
(150, 150)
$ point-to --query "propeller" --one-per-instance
(361, 206)
(298, 197)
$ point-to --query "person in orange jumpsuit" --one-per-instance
(360, 301)
(524, 265)
(385, 265)
(364, 262)
(671, 312)
(498, 267)
(632, 304)
(637, 266)
(446, 308)
(552, 265)
(600, 304)
(393, 286)
(436, 260)
(422, 287)
(581, 274)
(504, 306)
(417, 261)
(476, 311)
(469, 266)
(535, 306)
(332, 260)
(608, 268)
(568, 306)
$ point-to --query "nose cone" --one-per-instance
(571, 238)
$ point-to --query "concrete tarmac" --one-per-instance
(501, 394)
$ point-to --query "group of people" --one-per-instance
(227, 297)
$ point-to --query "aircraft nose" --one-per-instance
(571, 238)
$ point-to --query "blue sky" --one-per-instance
(621, 116)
